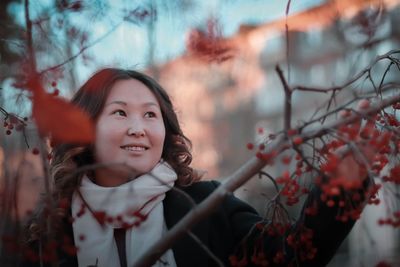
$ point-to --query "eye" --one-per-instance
(150, 114)
(119, 112)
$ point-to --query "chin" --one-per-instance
(139, 171)
(138, 168)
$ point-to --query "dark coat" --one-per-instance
(224, 230)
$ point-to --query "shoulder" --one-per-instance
(206, 186)
(200, 190)
(235, 215)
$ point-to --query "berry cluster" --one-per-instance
(14, 123)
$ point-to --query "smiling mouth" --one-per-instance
(134, 148)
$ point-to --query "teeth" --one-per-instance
(134, 148)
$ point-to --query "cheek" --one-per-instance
(158, 138)
(107, 140)
(108, 129)
(161, 136)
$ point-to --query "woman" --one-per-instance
(110, 214)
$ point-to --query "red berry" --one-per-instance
(363, 104)
(56, 92)
(286, 160)
(344, 113)
(35, 151)
(297, 140)
(250, 146)
(292, 132)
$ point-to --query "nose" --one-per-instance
(136, 129)
(136, 132)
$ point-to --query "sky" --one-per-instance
(127, 44)
(172, 26)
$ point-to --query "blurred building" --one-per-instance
(237, 97)
(328, 44)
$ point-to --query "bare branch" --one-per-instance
(31, 52)
(287, 37)
(261, 173)
(351, 81)
(83, 49)
(288, 99)
(205, 248)
(383, 78)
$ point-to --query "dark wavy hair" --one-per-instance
(91, 97)
(69, 161)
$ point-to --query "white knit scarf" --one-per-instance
(94, 235)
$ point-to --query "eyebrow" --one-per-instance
(119, 102)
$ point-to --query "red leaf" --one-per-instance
(61, 120)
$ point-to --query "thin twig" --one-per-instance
(205, 248)
(288, 99)
(383, 77)
(31, 52)
(287, 38)
(270, 178)
(351, 81)
(83, 49)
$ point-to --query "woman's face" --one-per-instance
(129, 130)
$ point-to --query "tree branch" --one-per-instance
(288, 99)
(238, 178)
(31, 52)
(351, 81)
(83, 49)
(287, 37)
